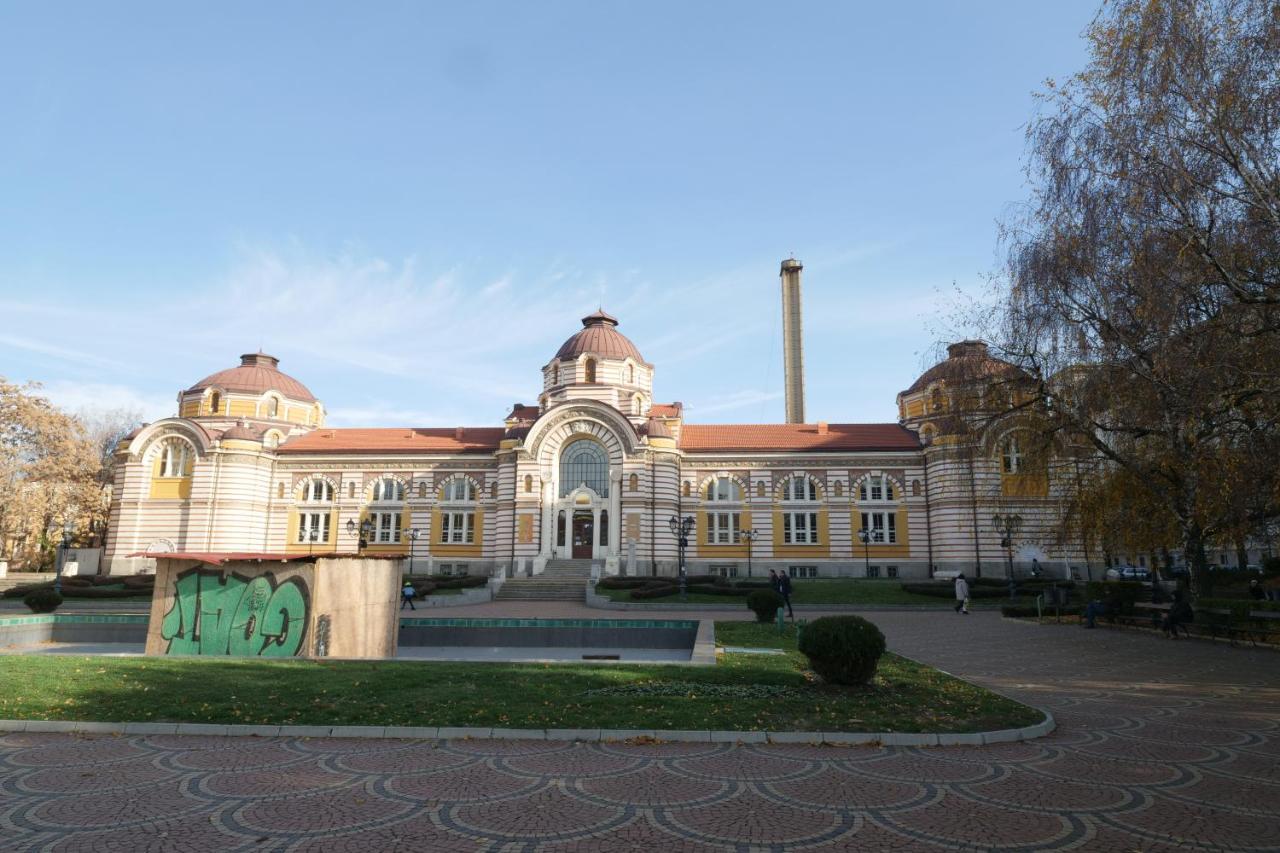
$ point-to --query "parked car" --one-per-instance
(1129, 573)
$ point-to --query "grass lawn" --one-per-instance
(824, 591)
(742, 692)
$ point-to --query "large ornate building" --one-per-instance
(595, 471)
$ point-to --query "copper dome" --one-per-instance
(599, 336)
(242, 431)
(257, 374)
(967, 361)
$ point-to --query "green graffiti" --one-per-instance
(217, 614)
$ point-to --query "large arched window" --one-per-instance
(590, 371)
(387, 490)
(458, 513)
(876, 487)
(316, 490)
(1011, 461)
(799, 526)
(584, 462)
(720, 489)
(877, 496)
(175, 459)
(458, 488)
(799, 488)
(215, 402)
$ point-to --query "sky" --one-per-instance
(412, 204)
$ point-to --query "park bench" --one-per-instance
(1262, 625)
(1156, 614)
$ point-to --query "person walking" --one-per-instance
(406, 596)
(784, 589)
(962, 595)
(774, 584)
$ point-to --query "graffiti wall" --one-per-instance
(333, 607)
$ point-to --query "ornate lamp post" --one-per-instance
(750, 536)
(67, 529)
(366, 530)
(680, 528)
(1007, 526)
(413, 535)
(313, 536)
(864, 536)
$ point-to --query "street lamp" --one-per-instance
(413, 535)
(67, 529)
(366, 530)
(313, 536)
(864, 536)
(1007, 526)
(680, 528)
(751, 536)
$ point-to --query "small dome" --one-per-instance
(599, 336)
(257, 374)
(655, 428)
(967, 361)
(242, 431)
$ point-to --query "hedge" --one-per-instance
(1119, 596)
(1240, 607)
(948, 590)
(655, 591)
(1022, 611)
(614, 582)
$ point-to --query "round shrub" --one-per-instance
(842, 649)
(765, 604)
(42, 600)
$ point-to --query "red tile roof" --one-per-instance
(397, 440)
(666, 410)
(762, 438)
(521, 412)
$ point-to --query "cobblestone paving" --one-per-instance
(1160, 746)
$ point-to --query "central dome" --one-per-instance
(257, 374)
(600, 337)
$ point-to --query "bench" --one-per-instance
(1157, 612)
(1263, 624)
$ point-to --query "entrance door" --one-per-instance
(583, 530)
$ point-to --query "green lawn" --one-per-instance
(742, 692)
(824, 591)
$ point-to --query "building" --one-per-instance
(596, 470)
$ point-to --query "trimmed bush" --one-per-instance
(842, 649)
(458, 581)
(717, 589)
(948, 590)
(751, 584)
(118, 591)
(1022, 611)
(614, 582)
(42, 600)
(765, 604)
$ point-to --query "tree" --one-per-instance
(104, 429)
(1143, 277)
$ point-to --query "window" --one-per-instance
(637, 405)
(175, 458)
(760, 488)
(1011, 456)
(458, 488)
(591, 371)
(422, 491)
(799, 488)
(313, 522)
(351, 489)
(386, 527)
(280, 490)
(583, 462)
(555, 373)
(457, 528)
(799, 528)
(215, 402)
(915, 488)
(684, 489)
(272, 439)
(317, 490)
(935, 400)
(722, 528)
(802, 571)
(459, 569)
(873, 571)
(876, 488)
(387, 490)
(493, 490)
(839, 489)
(722, 489)
(633, 483)
(891, 571)
(273, 407)
(883, 527)
(631, 377)
(730, 571)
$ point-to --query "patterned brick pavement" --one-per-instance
(1160, 746)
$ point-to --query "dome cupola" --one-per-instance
(599, 336)
(599, 363)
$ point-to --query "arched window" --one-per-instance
(493, 490)
(839, 489)
(271, 440)
(584, 462)
(633, 483)
(215, 401)
(723, 489)
(591, 371)
(876, 488)
(684, 490)
(458, 488)
(422, 491)
(280, 490)
(316, 490)
(935, 400)
(528, 483)
(915, 488)
(637, 405)
(387, 490)
(926, 434)
(175, 459)
(631, 374)
(799, 488)
(1011, 460)
(273, 407)
(555, 374)
(351, 489)
(760, 488)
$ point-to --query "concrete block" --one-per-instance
(87, 727)
(960, 739)
(518, 734)
(254, 731)
(739, 737)
(908, 739)
(627, 734)
(358, 731)
(202, 729)
(151, 728)
(305, 731)
(412, 732)
(851, 738)
(573, 734)
(13, 725)
(447, 732)
(794, 737)
(684, 736)
(1003, 736)
(50, 726)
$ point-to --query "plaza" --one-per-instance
(1155, 749)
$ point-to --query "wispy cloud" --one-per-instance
(102, 396)
(734, 400)
(58, 352)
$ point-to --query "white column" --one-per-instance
(595, 533)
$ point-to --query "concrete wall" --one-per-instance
(343, 607)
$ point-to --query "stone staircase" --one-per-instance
(561, 580)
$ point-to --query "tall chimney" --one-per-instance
(792, 341)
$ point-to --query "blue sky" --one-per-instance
(412, 204)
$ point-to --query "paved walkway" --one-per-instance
(1160, 746)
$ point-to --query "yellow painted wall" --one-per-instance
(822, 549)
(704, 549)
(293, 546)
(1033, 484)
(901, 548)
(915, 408)
(475, 549)
(170, 488)
(390, 547)
(242, 408)
(189, 409)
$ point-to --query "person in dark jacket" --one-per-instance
(1179, 614)
(784, 589)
